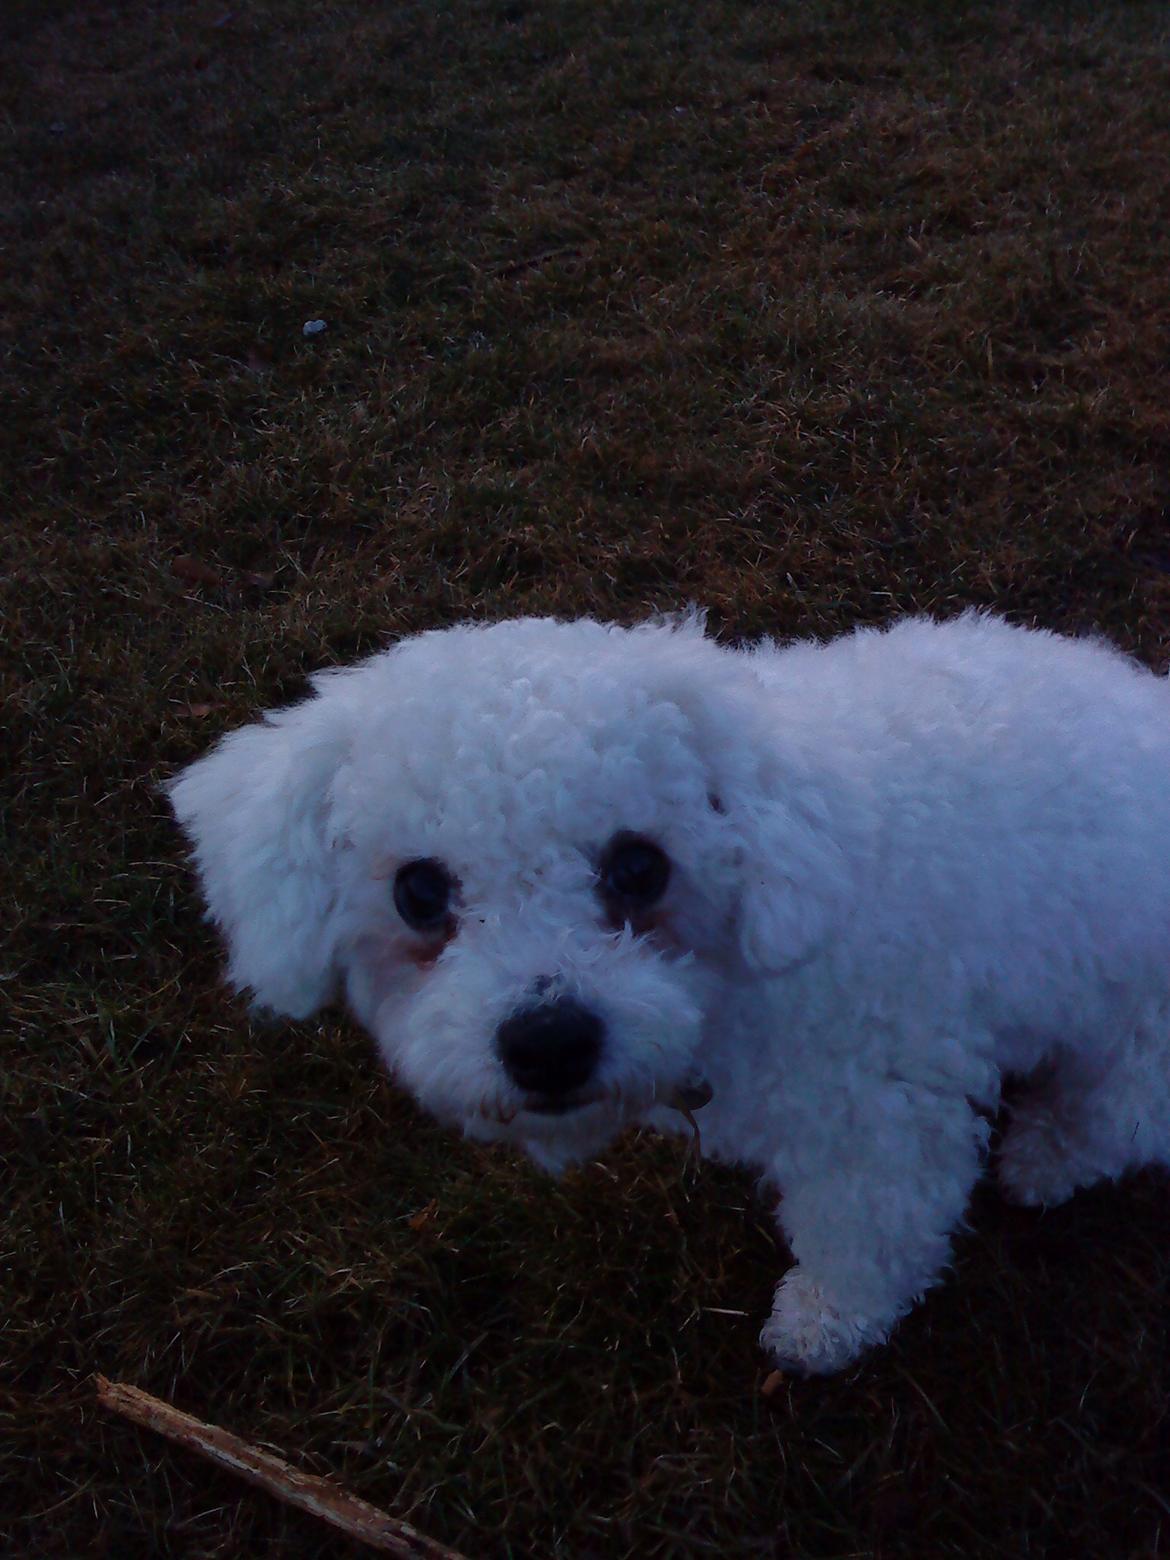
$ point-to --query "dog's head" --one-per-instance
(531, 853)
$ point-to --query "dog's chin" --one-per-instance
(691, 1092)
(555, 1133)
(562, 1105)
(559, 1139)
(559, 1131)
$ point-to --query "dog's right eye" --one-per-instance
(422, 894)
(634, 872)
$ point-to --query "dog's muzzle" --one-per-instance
(551, 1052)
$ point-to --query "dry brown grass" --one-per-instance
(812, 313)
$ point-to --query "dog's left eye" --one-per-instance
(634, 871)
(422, 894)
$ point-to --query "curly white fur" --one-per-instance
(902, 865)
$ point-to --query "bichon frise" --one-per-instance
(574, 876)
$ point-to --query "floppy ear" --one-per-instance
(793, 819)
(256, 811)
(796, 885)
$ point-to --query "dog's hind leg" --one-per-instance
(1090, 1119)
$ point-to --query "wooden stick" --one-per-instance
(323, 1498)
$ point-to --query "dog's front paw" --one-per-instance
(809, 1334)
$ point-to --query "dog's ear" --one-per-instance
(256, 811)
(794, 821)
(795, 885)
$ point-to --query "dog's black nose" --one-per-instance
(551, 1049)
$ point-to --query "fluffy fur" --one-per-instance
(902, 865)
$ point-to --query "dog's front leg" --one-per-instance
(868, 1216)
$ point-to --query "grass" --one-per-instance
(813, 313)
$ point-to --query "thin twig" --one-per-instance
(324, 1499)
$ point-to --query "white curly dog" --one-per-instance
(574, 876)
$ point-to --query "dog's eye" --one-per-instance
(634, 871)
(422, 894)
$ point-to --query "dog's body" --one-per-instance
(574, 876)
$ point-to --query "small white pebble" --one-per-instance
(312, 327)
